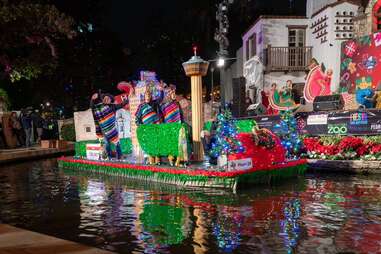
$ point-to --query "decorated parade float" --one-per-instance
(162, 147)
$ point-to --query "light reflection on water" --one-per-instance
(315, 214)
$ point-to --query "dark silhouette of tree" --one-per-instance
(29, 32)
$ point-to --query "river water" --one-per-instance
(312, 214)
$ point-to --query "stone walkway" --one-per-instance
(19, 241)
(21, 154)
(345, 166)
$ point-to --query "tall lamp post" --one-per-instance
(220, 63)
(196, 68)
(221, 37)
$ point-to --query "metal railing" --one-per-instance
(288, 58)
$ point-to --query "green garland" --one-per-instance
(80, 146)
(246, 126)
(243, 126)
(146, 175)
(160, 139)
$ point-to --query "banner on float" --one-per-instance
(332, 123)
(243, 164)
(93, 151)
(320, 119)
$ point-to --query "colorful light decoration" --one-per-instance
(290, 226)
(227, 231)
(288, 133)
(226, 141)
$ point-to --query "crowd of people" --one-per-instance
(28, 127)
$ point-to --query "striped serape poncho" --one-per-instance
(105, 122)
(171, 112)
(145, 114)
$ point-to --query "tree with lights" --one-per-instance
(226, 141)
(288, 133)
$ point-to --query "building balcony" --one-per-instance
(287, 59)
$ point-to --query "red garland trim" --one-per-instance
(194, 172)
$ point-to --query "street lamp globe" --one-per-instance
(220, 62)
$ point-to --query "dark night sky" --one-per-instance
(129, 18)
(158, 33)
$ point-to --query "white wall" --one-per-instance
(276, 31)
(234, 71)
(84, 126)
(329, 52)
(315, 5)
(273, 32)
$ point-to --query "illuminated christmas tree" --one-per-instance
(288, 133)
(226, 141)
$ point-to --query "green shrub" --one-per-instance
(68, 132)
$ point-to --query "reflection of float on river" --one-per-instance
(162, 215)
(338, 212)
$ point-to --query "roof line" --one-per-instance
(333, 5)
(272, 17)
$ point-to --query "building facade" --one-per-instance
(279, 48)
(275, 49)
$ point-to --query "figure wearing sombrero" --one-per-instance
(172, 113)
(149, 112)
(104, 110)
(170, 108)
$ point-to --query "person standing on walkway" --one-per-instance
(16, 128)
(27, 125)
(38, 123)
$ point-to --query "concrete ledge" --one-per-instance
(19, 241)
(18, 155)
(347, 166)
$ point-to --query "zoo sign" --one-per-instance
(337, 129)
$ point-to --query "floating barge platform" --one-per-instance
(193, 176)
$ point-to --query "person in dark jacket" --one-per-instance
(38, 125)
(26, 122)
